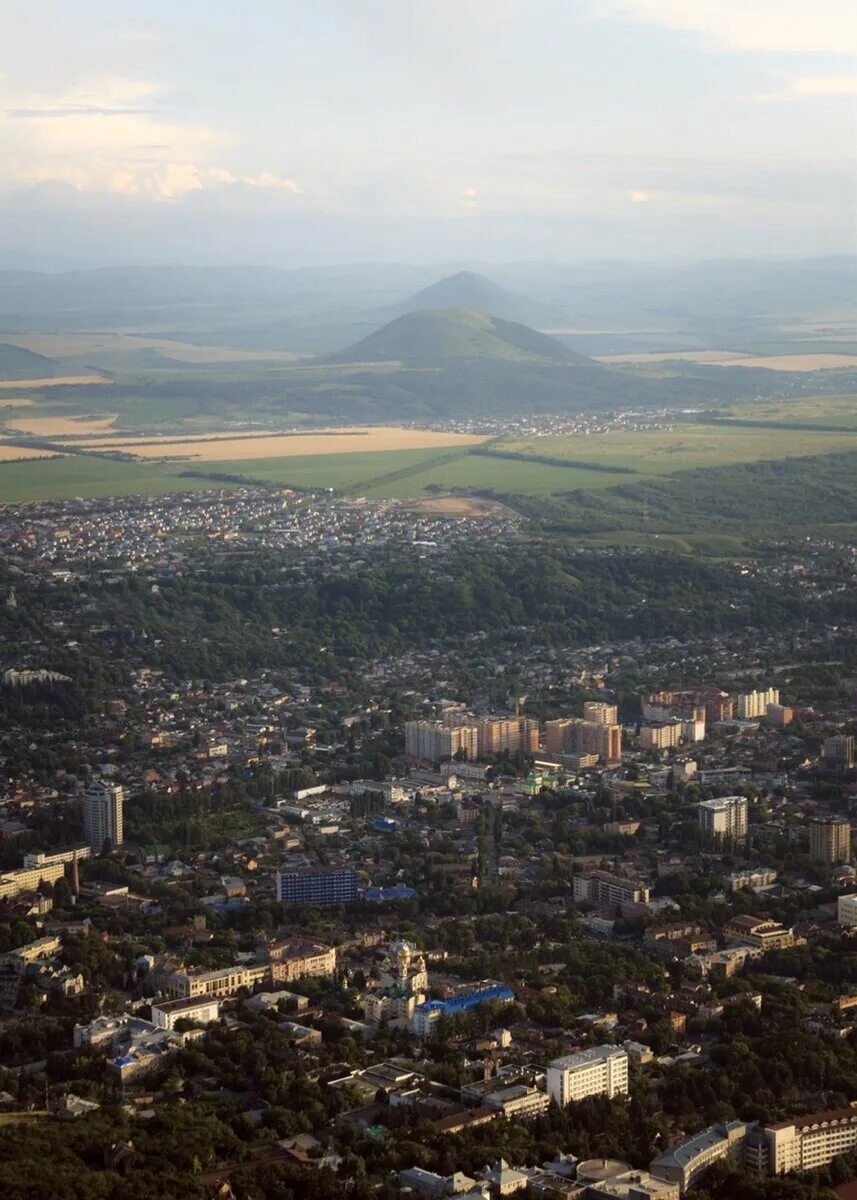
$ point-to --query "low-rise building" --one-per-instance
(167, 1013)
(687, 1161)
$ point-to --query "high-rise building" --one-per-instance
(600, 713)
(663, 735)
(724, 819)
(515, 734)
(599, 1071)
(755, 704)
(839, 751)
(317, 887)
(432, 741)
(830, 840)
(575, 736)
(103, 820)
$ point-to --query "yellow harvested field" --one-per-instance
(17, 402)
(64, 345)
(730, 358)
(54, 381)
(802, 362)
(9, 453)
(62, 426)
(341, 441)
(693, 356)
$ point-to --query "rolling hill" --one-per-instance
(436, 337)
(17, 363)
(466, 289)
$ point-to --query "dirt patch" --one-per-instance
(457, 506)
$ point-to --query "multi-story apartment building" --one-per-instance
(434, 741)
(846, 910)
(752, 705)
(755, 931)
(103, 821)
(830, 840)
(608, 891)
(513, 734)
(338, 886)
(838, 752)
(805, 1143)
(599, 1071)
(724, 819)
(661, 735)
(201, 1011)
(27, 879)
(572, 735)
(600, 713)
(685, 1162)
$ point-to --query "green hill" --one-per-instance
(466, 289)
(440, 336)
(17, 363)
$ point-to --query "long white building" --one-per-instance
(600, 1071)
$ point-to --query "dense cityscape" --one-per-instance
(447, 914)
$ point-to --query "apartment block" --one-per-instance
(806, 1143)
(27, 879)
(337, 886)
(752, 705)
(600, 1071)
(103, 820)
(608, 891)
(600, 713)
(434, 742)
(846, 910)
(723, 819)
(497, 735)
(830, 840)
(661, 735)
(572, 735)
(838, 752)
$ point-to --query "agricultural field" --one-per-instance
(348, 440)
(830, 412)
(684, 448)
(826, 359)
(77, 476)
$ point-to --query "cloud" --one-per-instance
(774, 26)
(638, 196)
(115, 135)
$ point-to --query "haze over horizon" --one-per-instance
(470, 133)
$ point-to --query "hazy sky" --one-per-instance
(303, 131)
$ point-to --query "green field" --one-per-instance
(832, 412)
(685, 447)
(67, 478)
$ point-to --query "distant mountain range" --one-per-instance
(434, 337)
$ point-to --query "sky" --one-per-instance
(304, 132)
